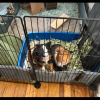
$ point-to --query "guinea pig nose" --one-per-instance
(63, 61)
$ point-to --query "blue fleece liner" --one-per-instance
(59, 35)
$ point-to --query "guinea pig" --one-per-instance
(41, 56)
(61, 56)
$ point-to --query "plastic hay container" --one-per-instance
(47, 35)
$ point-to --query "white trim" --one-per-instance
(45, 50)
(45, 54)
(31, 53)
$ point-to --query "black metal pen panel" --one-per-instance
(20, 37)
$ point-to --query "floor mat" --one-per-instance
(3, 7)
(71, 9)
(17, 29)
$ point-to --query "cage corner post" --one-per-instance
(94, 86)
(36, 83)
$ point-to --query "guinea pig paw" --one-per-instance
(43, 69)
(53, 71)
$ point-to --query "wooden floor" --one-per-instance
(9, 89)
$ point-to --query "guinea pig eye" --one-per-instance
(60, 54)
(40, 58)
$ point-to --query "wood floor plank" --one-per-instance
(90, 92)
(43, 90)
(59, 21)
(61, 90)
(9, 89)
(2, 88)
(67, 90)
(53, 90)
(87, 92)
(31, 91)
(80, 91)
(20, 90)
(94, 93)
(72, 90)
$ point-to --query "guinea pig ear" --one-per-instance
(48, 44)
(57, 50)
(37, 45)
(69, 51)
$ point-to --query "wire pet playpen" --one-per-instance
(14, 63)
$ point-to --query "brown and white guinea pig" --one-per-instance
(41, 55)
(60, 56)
